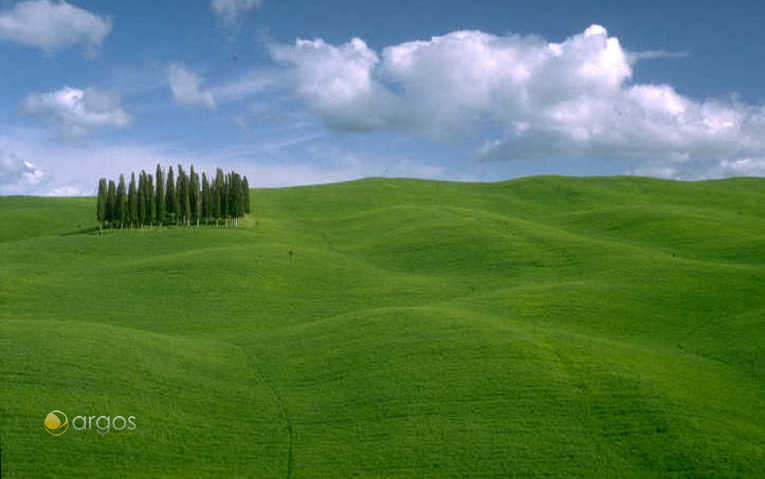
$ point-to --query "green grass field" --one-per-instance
(539, 327)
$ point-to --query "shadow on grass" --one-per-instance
(245, 223)
(90, 230)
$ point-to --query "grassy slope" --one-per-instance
(544, 326)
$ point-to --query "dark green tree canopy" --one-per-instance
(111, 202)
(159, 200)
(132, 216)
(121, 202)
(101, 202)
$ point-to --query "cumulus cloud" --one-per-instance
(549, 100)
(18, 177)
(229, 10)
(185, 86)
(52, 26)
(338, 83)
(78, 112)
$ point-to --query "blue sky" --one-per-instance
(307, 92)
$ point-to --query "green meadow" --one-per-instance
(538, 327)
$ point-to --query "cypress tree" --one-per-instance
(111, 202)
(141, 198)
(132, 201)
(149, 201)
(159, 200)
(211, 195)
(172, 200)
(101, 203)
(192, 195)
(121, 207)
(227, 197)
(246, 195)
(205, 198)
(179, 190)
(225, 200)
(186, 199)
(235, 197)
(192, 199)
(239, 198)
(212, 201)
(218, 196)
(195, 197)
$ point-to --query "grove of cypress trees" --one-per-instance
(132, 201)
(121, 206)
(159, 200)
(185, 199)
(101, 203)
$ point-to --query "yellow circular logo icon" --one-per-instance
(56, 423)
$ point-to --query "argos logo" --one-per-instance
(56, 423)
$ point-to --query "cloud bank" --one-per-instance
(549, 100)
(53, 26)
(78, 112)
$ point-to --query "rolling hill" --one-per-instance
(538, 327)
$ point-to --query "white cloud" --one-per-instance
(52, 26)
(550, 100)
(18, 177)
(229, 10)
(338, 83)
(185, 86)
(76, 111)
